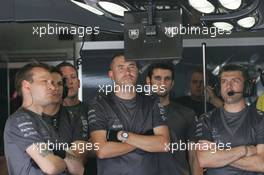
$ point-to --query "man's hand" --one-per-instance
(253, 161)
(213, 99)
(150, 143)
(74, 163)
(45, 159)
(210, 156)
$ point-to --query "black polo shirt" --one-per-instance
(78, 115)
(181, 122)
(235, 129)
(196, 106)
(137, 115)
(60, 122)
(79, 121)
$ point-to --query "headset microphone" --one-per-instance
(231, 93)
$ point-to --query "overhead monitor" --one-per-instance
(161, 40)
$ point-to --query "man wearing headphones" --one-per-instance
(231, 138)
(77, 111)
(26, 136)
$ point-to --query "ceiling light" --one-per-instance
(203, 6)
(223, 25)
(231, 4)
(88, 7)
(112, 8)
(167, 7)
(159, 7)
(247, 22)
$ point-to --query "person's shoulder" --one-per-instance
(179, 106)
(183, 98)
(152, 97)
(182, 109)
(100, 102)
(19, 119)
(19, 115)
(258, 114)
(256, 117)
(84, 104)
(149, 100)
(99, 98)
(214, 113)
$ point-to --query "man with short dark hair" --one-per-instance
(77, 111)
(231, 138)
(26, 136)
(129, 127)
(181, 122)
(195, 100)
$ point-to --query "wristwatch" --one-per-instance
(124, 136)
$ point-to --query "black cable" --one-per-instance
(78, 62)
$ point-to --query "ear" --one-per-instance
(111, 75)
(25, 86)
(148, 80)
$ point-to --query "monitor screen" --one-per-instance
(141, 41)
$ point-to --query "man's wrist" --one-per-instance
(112, 135)
(122, 136)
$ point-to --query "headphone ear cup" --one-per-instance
(262, 78)
(65, 89)
(246, 92)
(249, 87)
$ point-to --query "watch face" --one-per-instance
(125, 134)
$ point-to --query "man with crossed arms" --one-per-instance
(120, 121)
(238, 126)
